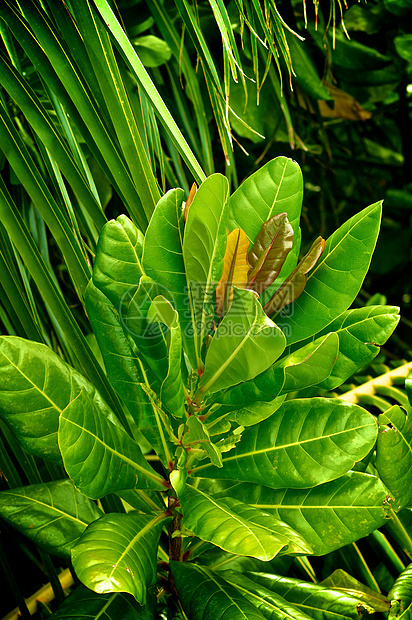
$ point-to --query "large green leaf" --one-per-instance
(117, 267)
(36, 386)
(122, 364)
(270, 604)
(171, 393)
(237, 527)
(163, 259)
(394, 454)
(311, 364)
(304, 443)
(343, 582)
(263, 388)
(124, 368)
(327, 516)
(204, 246)
(206, 596)
(275, 188)
(117, 553)
(335, 281)
(400, 596)
(315, 600)
(51, 514)
(360, 332)
(85, 604)
(245, 344)
(99, 455)
(149, 337)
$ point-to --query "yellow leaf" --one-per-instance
(235, 269)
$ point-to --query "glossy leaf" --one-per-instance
(269, 252)
(270, 604)
(245, 344)
(235, 269)
(198, 436)
(295, 283)
(341, 581)
(275, 188)
(360, 332)
(311, 364)
(400, 596)
(204, 246)
(39, 386)
(149, 337)
(206, 596)
(85, 604)
(117, 553)
(394, 454)
(256, 412)
(327, 516)
(335, 281)
(51, 514)
(121, 363)
(315, 600)
(235, 526)
(171, 393)
(304, 443)
(117, 267)
(163, 259)
(263, 388)
(98, 454)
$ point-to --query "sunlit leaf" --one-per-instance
(235, 269)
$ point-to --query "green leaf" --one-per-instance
(163, 260)
(304, 443)
(311, 364)
(269, 603)
(117, 267)
(236, 527)
(198, 436)
(341, 581)
(275, 188)
(152, 51)
(335, 281)
(121, 363)
(206, 596)
(400, 596)
(124, 368)
(98, 454)
(269, 252)
(85, 604)
(394, 454)
(51, 514)
(245, 344)
(171, 393)
(256, 412)
(117, 553)
(263, 388)
(149, 337)
(37, 386)
(360, 332)
(327, 516)
(315, 600)
(204, 247)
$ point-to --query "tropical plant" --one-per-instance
(207, 460)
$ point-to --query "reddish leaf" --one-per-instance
(269, 252)
(235, 269)
(295, 283)
(189, 200)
